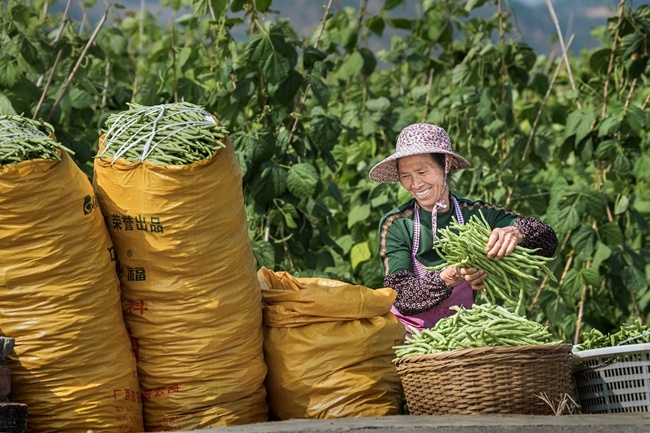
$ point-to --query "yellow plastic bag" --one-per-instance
(328, 348)
(60, 299)
(191, 298)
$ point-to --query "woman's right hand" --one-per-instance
(452, 276)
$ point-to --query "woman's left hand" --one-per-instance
(503, 241)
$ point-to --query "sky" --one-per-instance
(573, 16)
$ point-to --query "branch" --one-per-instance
(57, 38)
(541, 107)
(173, 36)
(428, 97)
(610, 65)
(298, 109)
(565, 55)
(64, 90)
(545, 280)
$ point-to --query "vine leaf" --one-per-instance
(360, 253)
(302, 180)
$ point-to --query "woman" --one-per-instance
(423, 163)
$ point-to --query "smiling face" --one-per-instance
(424, 178)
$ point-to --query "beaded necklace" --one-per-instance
(418, 267)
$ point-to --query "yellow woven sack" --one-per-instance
(191, 298)
(60, 299)
(328, 348)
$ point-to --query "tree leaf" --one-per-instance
(9, 71)
(325, 131)
(5, 105)
(599, 60)
(350, 66)
(579, 123)
(262, 5)
(369, 60)
(276, 67)
(302, 180)
(358, 213)
(622, 164)
(611, 234)
(573, 283)
(258, 145)
(270, 183)
(319, 90)
(591, 277)
(359, 253)
(381, 104)
(345, 243)
(634, 117)
(290, 214)
(634, 280)
(80, 99)
(238, 5)
(264, 253)
(312, 55)
(392, 4)
(583, 240)
(257, 48)
(244, 91)
(473, 4)
(182, 58)
(376, 24)
(622, 204)
(219, 7)
(642, 167)
(602, 253)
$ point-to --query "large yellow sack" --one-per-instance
(60, 299)
(191, 298)
(328, 348)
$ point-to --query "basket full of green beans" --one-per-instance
(178, 133)
(24, 139)
(611, 370)
(483, 360)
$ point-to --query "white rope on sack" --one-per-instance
(141, 130)
(23, 139)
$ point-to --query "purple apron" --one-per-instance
(462, 293)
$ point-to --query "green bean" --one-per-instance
(508, 279)
(168, 134)
(23, 139)
(630, 333)
(482, 325)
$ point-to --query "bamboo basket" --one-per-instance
(488, 380)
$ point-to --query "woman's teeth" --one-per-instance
(423, 193)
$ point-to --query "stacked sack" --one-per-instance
(329, 348)
(170, 188)
(72, 362)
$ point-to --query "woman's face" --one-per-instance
(423, 178)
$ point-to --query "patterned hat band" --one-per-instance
(417, 139)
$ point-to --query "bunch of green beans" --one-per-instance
(178, 133)
(22, 139)
(463, 246)
(632, 333)
(482, 325)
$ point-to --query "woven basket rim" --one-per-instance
(474, 352)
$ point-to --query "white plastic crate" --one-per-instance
(613, 379)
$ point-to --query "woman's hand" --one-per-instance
(452, 276)
(503, 241)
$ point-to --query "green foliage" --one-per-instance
(309, 116)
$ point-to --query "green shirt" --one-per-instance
(396, 231)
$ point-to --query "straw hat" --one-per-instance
(419, 138)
